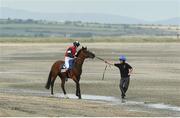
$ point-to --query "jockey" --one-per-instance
(70, 54)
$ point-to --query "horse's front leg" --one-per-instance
(78, 91)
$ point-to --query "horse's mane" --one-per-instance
(78, 53)
(83, 48)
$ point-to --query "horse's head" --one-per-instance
(85, 53)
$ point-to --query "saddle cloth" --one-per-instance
(62, 68)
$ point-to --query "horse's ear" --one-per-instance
(86, 47)
(83, 47)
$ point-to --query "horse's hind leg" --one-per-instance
(52, 84)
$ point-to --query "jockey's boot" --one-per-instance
(68, 74)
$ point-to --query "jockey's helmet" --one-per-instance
(76, 43)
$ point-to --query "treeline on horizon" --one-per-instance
(16, 20)
(77, 29)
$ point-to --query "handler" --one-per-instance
(125, 72)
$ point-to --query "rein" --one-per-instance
(104, 72)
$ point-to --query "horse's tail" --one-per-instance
(48, 81)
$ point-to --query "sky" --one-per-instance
(149, 10)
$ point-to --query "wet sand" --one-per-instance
(153, 91)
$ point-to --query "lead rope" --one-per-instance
(104, 72)
(105, 66)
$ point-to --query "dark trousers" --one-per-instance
(124, 84)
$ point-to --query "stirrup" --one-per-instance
(63, 70)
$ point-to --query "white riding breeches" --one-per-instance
(67, 61)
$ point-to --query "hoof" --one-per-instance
(77, 95)
(123, 101)
(65, 96)
(51, 95)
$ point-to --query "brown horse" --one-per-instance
(74, 73)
